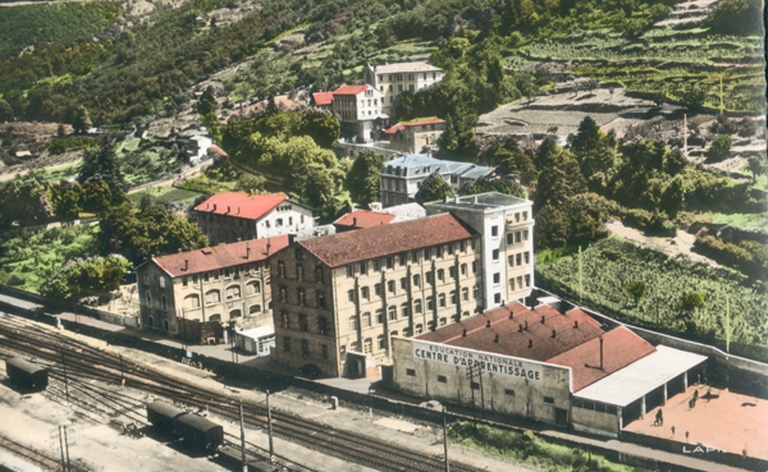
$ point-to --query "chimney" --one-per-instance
(601, 353)
(464, 333)
(519, 328)
(229, 209)
(207, 205)
(214, 207)
(530, 344)
(247, 251)
(554, 334)
(269, 246)
(186, 265)
(576, 324)
(354, 221)
(238, 211)
(487, 323)
(511, 315)
(526, 325)
(496, 339)
(542, 319)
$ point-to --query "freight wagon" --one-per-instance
(197, 432)
(25, 375)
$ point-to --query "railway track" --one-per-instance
(30, 454)
(66, 355)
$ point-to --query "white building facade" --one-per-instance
(393, 79)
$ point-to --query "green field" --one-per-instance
(146, 159)
(30, 258)
(742, 220)
(165, 194)
(608, 265)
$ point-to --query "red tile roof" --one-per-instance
(351, 89)
(416, 122)
(219, 257)
(323, 98)
(514, 342)
(621, 347)
(345, 248)
(360, 219)
(241, 205)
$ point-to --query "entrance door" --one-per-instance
(561, 417)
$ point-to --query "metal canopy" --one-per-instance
(641, 377)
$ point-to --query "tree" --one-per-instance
(364, 176)
(91, 277)
(595, 153)
(559, 175)
(433, 188)
(81, 120)
(719, 150)
(636, 290)
(102, 163)
(758, 166)
(688, 303)
(6, 111)
(507, 187)
(510, 159)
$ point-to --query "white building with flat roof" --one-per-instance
(393, 79)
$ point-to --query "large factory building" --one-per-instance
(562, 368)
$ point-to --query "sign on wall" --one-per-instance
(493, 363)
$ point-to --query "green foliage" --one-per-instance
(573, 221)
(433, 188)
(29, 258)
(93, 196)
(559, 175)
(150, 232)
(719, 150)
(528, 448)
(145, 159)
(90, 277)
(27, 25)
(363, 178)
(20, 199)
(596, 154)
(741, 17)
(748, 257)
(758, 166)
(507, 187)
(665, 278)
(511, 160)
(636, 290)
(71, 143)
(101, 163)
(226, 178)
(164, 194)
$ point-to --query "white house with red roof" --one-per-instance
(195, 294)
(231, 217)
(414, 136)
(357, 106)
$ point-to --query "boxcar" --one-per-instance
(198, 432)
(25, 375)
(163, 416)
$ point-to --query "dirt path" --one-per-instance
(679, 246)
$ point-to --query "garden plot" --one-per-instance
(689, 13)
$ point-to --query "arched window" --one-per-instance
(150, 322)
(353, 324)
(441, 299)
(441, 275)
(254, 309)
(192, 301)
(322, 325)
(148, 297)
(165, 325)
(430, 303)
(233, 291)
(453, 297)
(367, 319)
(417, 306)
(392, 313)
(368, 345)
(212, 296)
(405, 310)
(443, 321)
(282, 294)
(216, 318)
(235, 314)
(465, 294)
(320, 296)
(253, 287)
(303, 324)
(164, 302)
(381, 342)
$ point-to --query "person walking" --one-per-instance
(659, 418)
(673, 430)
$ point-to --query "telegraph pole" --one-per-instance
(122, 370)
(66, 448)
(242, 438)
(269, 428)
(581, 283)
(64, 369)
(61, 448)
(445, 442)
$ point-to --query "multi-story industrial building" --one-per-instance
(357, 106)
(415, 135)
(506, 227)
(401, 177)
(353, 291)
(393, 79)
(231, 217)
(192, 294)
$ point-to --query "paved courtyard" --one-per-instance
(724, 420)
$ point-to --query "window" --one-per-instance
(415, 257)
(365, 292)
(465, 294)
(377, 289)
(475, 292)
(322, 325)
(353, 324)
(304, 348)
(525, 215)
(494, 230)
(430, 303)
(442, 321)
(303, 325)
(549, 400)
(192, 301)
(452, 272)
(441, 299)
(404, 283)
(475, 386)
(392, 313)
(324, 351)
(427, 253)
(441, 275)
(368, 345)
(439, 251)
(299, 272)
(162, 281)
(410, 372)
(253, 287)
(381, 342)
(320, 299)
(351, 295)
(212, 296)
(403, 259)
(527, 280)
(405, 310)
(282, 294)
(520, 281)
(281, 269)
(450, 248)
(254, 309)
(367, 319)
(518, 237)
(463, 269)
(285, 320)
(463, 246)
(429, 278)
(391, 286)
(454, 300)
(376, 265)
(509, 238)
(474, 267)
(509, 391)
(518, 259)
(233, 292)
(417, 306)
(279, 222)
(527, 257)
(442, 379)
(416, 281)
(287, 344)
(517, 217)
(380, 315)
(390, 262)
(354, 346)
(497, 298)
(511, 284)
(495, 254)
(419, 329)
(318, 274)
(363, 268)
(184, 281)
(525, 235)
(511, 260)
(164, 302)
(350, 271)
(496, 278)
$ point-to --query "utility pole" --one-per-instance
(66, 448)
(445, 442)
(61, 448)
(64, 369)
(242, 438)
(581, 283)
(122, 370)
(472, 388)
(727, 325)
(269, 429)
